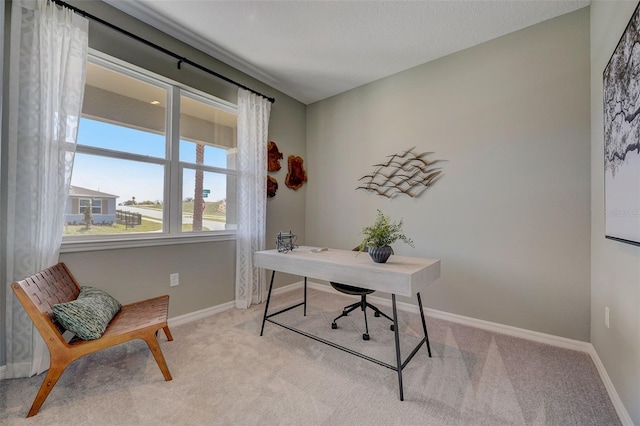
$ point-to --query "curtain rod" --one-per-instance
(181, 59)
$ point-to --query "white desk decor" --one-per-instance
(286, 241)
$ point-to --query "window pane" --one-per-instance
(210, 156)
(120, 138)
(207, 134)
(125, 196)
(96, 206)
(136, 109)
(207, 201)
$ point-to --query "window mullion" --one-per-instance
(213, 169)
(173, 184)
(102, 152)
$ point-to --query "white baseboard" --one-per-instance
(625, 418)
(203, 313)
(522, 333)
(535, 336)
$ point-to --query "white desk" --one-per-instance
(401, 275)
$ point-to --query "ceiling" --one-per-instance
(312, 50)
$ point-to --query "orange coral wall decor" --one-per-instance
(273, 157)
(272, 186)
(296, 176)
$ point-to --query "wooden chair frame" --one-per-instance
(140, 320)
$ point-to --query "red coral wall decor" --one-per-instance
(296, 176)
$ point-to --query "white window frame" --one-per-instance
(80, 206)
(94, 207)
(91, 201)
(172, 205)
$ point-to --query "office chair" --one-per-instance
(362, 303)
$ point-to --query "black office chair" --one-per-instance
(362, 304)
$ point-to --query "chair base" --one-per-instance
(363, 305)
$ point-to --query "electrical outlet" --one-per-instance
(606, 316)
(174, 280)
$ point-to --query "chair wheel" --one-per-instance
(365, 336)
(334, 325)
(391, 327)
(376, 314)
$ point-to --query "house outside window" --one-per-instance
(166, 153)
(102, 205)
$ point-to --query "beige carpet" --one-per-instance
(224, 373)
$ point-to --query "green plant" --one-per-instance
(383, 233)
(88, 217)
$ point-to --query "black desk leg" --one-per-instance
(397, 335)
(305, 296)
(424, 324)
(266, 307)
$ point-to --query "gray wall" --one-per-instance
(510, 217)
(207, 270)
(615, 267)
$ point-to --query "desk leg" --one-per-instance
(266, 307)
(424, 324)
(305, 296)
(397, 336)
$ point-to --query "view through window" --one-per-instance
(132, 177)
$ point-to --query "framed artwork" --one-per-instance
(621, 83)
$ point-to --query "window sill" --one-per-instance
(112, 244)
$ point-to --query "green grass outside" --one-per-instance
(118, 228)
(146, 226)
(211, 211)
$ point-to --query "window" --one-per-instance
(148, 167)
(207, 153)
(94, 205)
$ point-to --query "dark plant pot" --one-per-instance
(380, 254)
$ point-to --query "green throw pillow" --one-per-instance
(87, 316)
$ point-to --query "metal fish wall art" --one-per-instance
(404, 173)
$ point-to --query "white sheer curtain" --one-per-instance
(48, 57)
(253, 126)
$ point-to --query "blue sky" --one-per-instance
(128, 179)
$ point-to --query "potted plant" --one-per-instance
(379, 237)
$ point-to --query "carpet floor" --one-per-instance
(224, 373)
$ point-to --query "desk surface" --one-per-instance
(401, 275)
